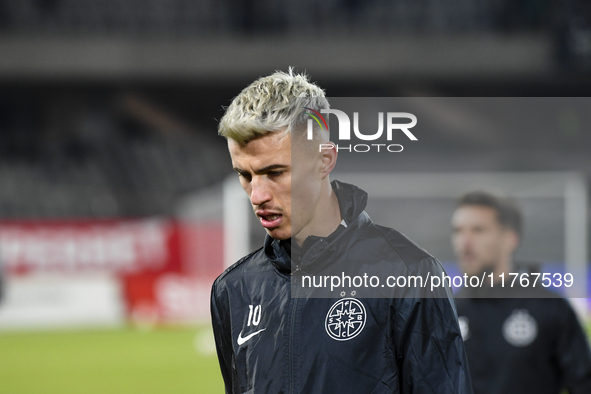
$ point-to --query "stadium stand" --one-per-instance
(103, 165)
(186, 17)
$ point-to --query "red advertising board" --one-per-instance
(165, 266)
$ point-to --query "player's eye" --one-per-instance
(274, 173)
(244, 175)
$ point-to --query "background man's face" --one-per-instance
(480, 242)
(264, 168)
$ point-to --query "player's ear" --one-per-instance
(329, 155)
(511, 240)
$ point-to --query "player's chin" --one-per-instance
(468, 269)
(279, 233)
(472, 271)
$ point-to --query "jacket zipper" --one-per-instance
(291, 347)
(292, 328)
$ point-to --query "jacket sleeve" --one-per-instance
(429, 347)
(223, 343)
(572, 348)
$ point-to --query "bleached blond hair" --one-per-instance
(275, 103)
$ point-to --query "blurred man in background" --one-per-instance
(272, 341)
(518, 340)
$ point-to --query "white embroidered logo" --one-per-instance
(241, 340)
(345, 319)
(254, 317)
(520, 329)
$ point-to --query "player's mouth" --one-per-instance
(467, 257)
(270, 220)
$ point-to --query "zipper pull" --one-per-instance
(297, 267)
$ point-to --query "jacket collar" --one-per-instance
(352, 202)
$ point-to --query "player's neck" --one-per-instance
(326, 218)
(504, 267)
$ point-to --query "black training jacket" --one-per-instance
(270, 342)
(524, 345)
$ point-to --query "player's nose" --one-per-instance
(259, 193)
(462, 242)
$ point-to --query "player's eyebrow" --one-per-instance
(271, 168)
(264, 169)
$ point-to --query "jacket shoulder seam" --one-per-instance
(403, 256)
(235, 265)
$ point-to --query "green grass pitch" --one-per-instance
(118, 361)
(129, 361)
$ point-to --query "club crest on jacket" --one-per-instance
(345, 319)
(520, 329)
